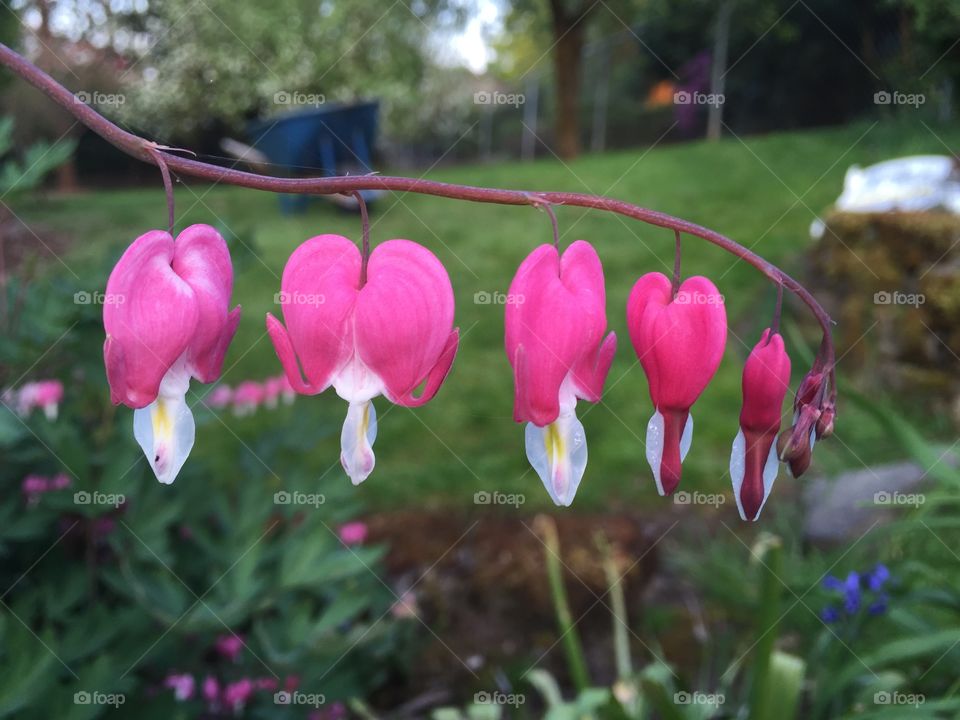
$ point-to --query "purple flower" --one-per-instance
(851, 593)
(33, 486)
(60, 481)
(878, 578)
(878, 606)
(857, 590)
(830, 615)
(831, 582)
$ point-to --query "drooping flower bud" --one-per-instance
(798, 447)
(679, 342)
(754, 460)
(825, 421)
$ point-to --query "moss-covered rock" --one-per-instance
(892, 282)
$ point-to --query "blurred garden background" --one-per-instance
(262, 584)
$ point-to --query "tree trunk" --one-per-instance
(568, 35)
(718, 70)
(67, 177)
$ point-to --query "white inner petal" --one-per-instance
(356, 383)
(558, 452)
(738, 459)
(165, 431)
(687, 438)
(356, 441)
(770, 470)
(655, 447)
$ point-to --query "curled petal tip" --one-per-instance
(592, 370)
(436, 375)
(287, 356)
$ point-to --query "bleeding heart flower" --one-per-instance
(46, 394)
(211, 689)
(237, 694)
(273, 388)
(753, 461)
(353, 533)
(387, 336)
(229, 646)
(680, 341)
(220, 397)
(169, 320)
(247, 397)
(183, 686)
(555, 321)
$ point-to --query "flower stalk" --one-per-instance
(144, 150)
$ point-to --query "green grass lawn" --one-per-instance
(761, 191)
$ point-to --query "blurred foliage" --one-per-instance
(20, 175)
(896, 662)
(226, 62)
(762, 683)
(768, 653)
(777, 55)
(114, 583)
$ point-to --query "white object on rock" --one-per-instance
(914, 184)
(921, 182)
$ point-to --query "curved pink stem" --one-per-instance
(149, 152)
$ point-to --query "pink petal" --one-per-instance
(353, 533)
(202, 260)
(674, 423)
(319, 293)
(680, 344)
(590, 373)
(404, 321)
(766, 379)
(49, 392)
(753, 485)
(554, 327)
(152, 322)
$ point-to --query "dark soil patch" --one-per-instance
(480, 586)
